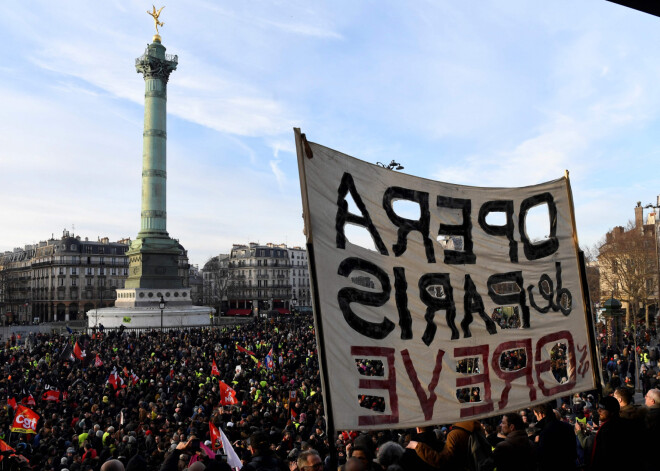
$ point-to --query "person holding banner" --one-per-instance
(455, 454)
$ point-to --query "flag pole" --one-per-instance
(304, 151)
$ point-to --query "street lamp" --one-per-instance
(657, 259)
(391, 166)
(161, 305)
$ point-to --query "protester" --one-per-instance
(515, 452)
(147, 400)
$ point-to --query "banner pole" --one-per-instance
(586, 299)
(303, 151)
(595, 350)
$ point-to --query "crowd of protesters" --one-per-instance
(144, 401)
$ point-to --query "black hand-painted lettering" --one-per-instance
(346, 296)
(548, 295)
(472, 302)
(511, 298)
(344, 216)
(401, 297)
(407, 225)
(561, 292)
(547, 247)
(506, 207)
(434, 304)
(545, 295)
(457, 257)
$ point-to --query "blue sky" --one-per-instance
(482, 93)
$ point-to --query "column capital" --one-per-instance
(154, 63)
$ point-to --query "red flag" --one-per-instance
(241, 349)
(25, 421)
(214, 369)
(97, 361)
(126, 372)
(116, 380)
(78, 352)
(134, 378)
(11, 402)
(216, 439)
(5, 447)
(294, 414)
(51, 395)
(227, 395)
(172, 373)
(29, 401)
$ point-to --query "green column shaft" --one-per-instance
(154, 159)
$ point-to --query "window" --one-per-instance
(89, 271)
(74, 281)
(101, 271)
(102, 260)
(88, 249)
(101, 249)
(73, 246)
(74, 271)
(61, 271)
(113, 271)
(89, 282)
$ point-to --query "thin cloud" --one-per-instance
(305, 30)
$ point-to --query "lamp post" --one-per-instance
(657, 259)
(294, 303)
(391, 166)
(161, 305)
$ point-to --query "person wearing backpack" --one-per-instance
(515, 452)
(458, 453)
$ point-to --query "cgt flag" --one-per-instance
(98, 362)
(216, 440)
(227, 395)
(214, 370)
(25, 421)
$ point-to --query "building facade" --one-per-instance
(62, 279)
(254, 279)
(629, 268)
(300, 289)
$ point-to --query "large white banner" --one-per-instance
(451, 312)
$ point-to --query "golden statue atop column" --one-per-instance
(155, 14)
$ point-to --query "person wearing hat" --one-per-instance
(612, 440)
